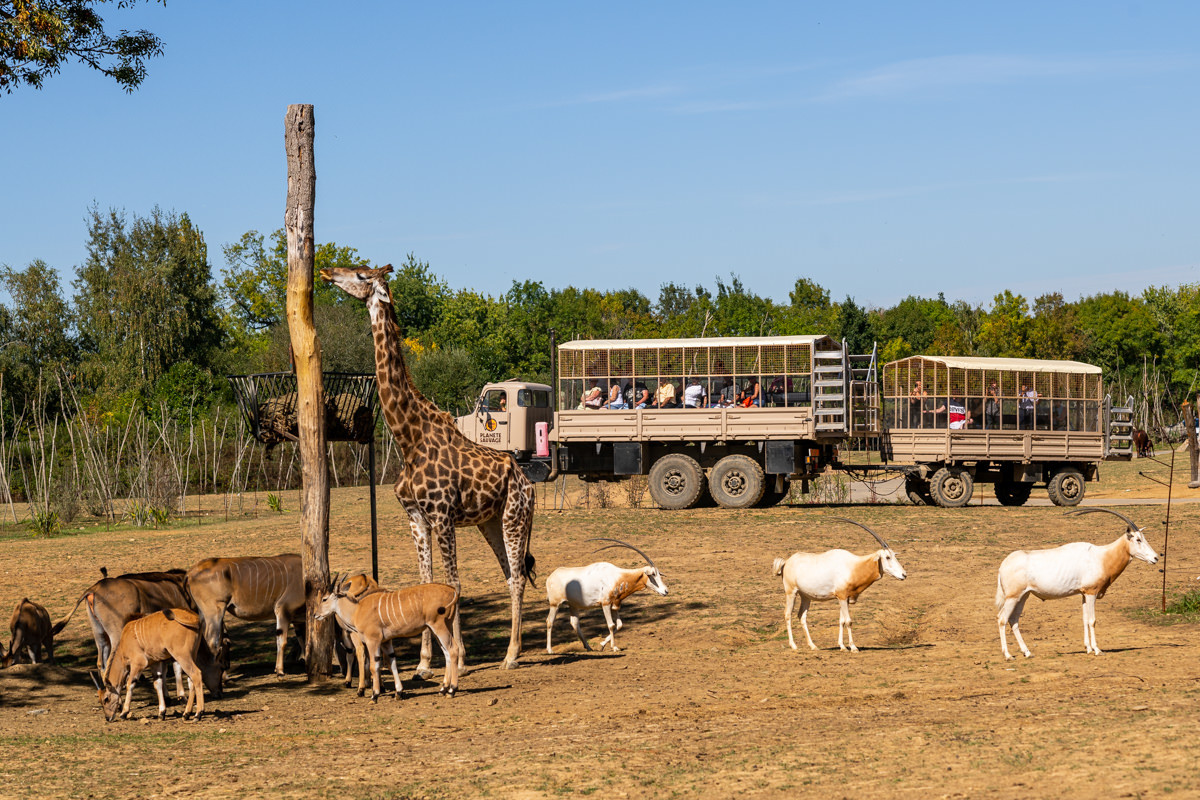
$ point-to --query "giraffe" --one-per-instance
(447, 480)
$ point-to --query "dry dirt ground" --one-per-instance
(705, 698)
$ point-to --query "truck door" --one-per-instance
(494, 430)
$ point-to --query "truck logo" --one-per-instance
(491, 424)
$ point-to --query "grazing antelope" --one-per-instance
(112, 602)
(1076, 568)
(378, 616)
(833, 574)
(249, 588)
(349, 644)
(155, 641)
(601, 584)
(30, 628)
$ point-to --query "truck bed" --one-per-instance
(919, 446)
(684, 424)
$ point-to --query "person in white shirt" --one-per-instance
(693, 395)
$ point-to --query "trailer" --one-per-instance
(1012, 422)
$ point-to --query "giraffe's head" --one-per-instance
(362, 282)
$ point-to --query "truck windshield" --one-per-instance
(533, 398)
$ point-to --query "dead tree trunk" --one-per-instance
(310, 402)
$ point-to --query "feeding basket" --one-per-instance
(268, 403)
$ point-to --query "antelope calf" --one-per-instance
(1076, 568)
(601, 584)
(112, 602)
(249, 588)
(833, 574)
(154, 641)
(378, 616)
(30, 628)
(349, 644)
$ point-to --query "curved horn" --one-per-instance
(865, 528)
(619, 543)
(1133, 526)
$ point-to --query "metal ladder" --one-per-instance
(864, 392)
(830, 371)
(1118, 439)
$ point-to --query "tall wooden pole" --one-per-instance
(310, 401)
(1189, 421)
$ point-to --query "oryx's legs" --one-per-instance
(550, 627)
(845, 623)
(805, 602)
(1010, 613)
(578, 632)
(1089, 625)
(612, 629)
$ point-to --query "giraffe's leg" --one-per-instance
(509, 539)
(448, 545)
(423, 540)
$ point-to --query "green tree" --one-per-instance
(144, 300)
(855, 327)
(37, 335)
(916, 320)
(254, 287)
(1005, 331)
(1052, 330)
(37, 36)
(418, 296)
(809, 310)
(1117, 331)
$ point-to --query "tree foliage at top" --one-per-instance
(37, 36)
(144, 300)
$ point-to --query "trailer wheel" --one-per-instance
(1067, 487)
(676, 481)
(736, 482)
(917, 491)
(951, 487)
(1012, 493)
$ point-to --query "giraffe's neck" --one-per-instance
(404, 408)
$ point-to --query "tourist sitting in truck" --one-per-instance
(637, 395)
(693, 395)
(664, 396)
(752, 394)
(592, 399)
(728, 395)
(616, 399)
(959, 416)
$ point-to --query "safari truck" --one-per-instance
(1016, 423)
(734, 419)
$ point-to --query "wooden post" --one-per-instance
(1189, 421)
(310, 401)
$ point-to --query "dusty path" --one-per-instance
(706, 699)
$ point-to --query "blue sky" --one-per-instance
(880, 148)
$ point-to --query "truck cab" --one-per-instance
(506, 415)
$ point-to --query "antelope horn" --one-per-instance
(619, 543)
(865, 528)
(1133, 526)
(95, 680)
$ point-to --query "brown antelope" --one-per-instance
(379, 616)
(112, 602)
(1077, 568)
(349, 644)
(155, 641)
(249, 588)
(834, 574)
(30, 627)
(601, 584)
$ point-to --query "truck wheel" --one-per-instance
(1012, 493)
(951, 487)
(917, 491)
(1067, 487)
(736, 482)
(676, 482)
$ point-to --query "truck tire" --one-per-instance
(951, 487)
(736, 482)
(1011, 493)
(1067, 487)
(676, 482)
(917, 491)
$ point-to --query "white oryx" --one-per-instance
(833, 574)
(1076, 568)
(601, 584)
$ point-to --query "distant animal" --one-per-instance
(379, 616)
(1142, 444)
(30, 628)
(154, 641)
(834, 574)
(601, 584)
(1076, 568)
(249, 588)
